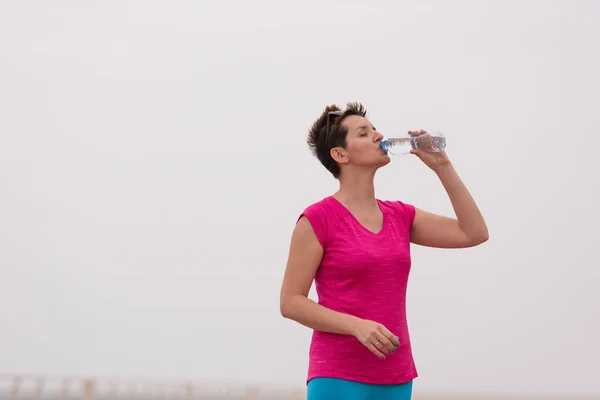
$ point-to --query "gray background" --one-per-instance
(153, 163)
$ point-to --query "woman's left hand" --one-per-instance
(431, 159)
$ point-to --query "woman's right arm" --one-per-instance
(303, 260)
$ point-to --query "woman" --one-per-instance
(357, 249)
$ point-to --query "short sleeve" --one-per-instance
(316, 215)
(407, 211)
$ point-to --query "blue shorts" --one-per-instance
(334, 389)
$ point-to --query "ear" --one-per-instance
(339, 154)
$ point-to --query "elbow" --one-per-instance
(474, 238)
(481, 238)
(485, 236)
(474, 235)
(283, 310)
(284, 307)
(288, 306)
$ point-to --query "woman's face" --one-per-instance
(362, 145)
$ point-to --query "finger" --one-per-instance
(384, 344)
(417, 153)
(392, 338)
(417, 132)
(382, 347)
(376, 351)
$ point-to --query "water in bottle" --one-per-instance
(430, 141)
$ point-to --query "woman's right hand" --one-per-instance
(376, 337)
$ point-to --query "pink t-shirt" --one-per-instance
(363, 274)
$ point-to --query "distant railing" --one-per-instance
(48, 387)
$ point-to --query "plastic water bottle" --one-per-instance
(430, 141)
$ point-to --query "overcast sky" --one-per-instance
(153, 164)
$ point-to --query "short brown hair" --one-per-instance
(321, 143)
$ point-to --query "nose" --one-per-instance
(378, 137)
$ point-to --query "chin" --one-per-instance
(386, 159)
(383, 162)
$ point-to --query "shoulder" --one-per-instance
(318, 209)
(326, 208)
(322, 216)
(319, 206)
(399, 209)
(316, 216)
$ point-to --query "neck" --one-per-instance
(357, 190)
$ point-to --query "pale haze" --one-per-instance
(153, 164)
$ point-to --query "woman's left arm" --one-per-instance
(468, 229)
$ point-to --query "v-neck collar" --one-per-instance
(349, 213)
